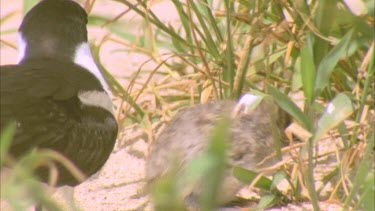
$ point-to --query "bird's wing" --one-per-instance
(42, 101)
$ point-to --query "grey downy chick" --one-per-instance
(188, 134)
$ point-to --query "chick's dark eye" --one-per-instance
(238, 156)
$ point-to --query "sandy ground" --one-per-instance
(118, 186)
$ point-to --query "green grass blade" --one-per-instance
(329, 62)
(368, 81)
(184, 20)
(115, 28)
(365, 166)
(217, 151)
(266, 201)
(118, 88)
(188, 28)
(6, 17)
(212, 21)
(210, 43)
(241, 74)
(229, 71)
(307, 72)
(336, 111)
(154, 20)
(247, 176)
(324, 19)
(5, 140)
(289, 106)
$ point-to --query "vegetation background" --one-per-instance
(315, 58)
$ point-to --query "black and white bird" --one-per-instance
(56, 94)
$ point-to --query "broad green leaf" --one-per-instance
(276, 55)
(297, 78)
(266, 201)
(329, 62)
(307, 74)
(336, 111)
(290, 107)
(277, 178)
(325, 20)
(247, 176)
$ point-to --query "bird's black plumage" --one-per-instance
(45, 94)
(53, 28)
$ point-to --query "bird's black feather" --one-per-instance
(48, 113)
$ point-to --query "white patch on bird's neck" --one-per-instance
(97, 99)
(83, 58)
(22, 45)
